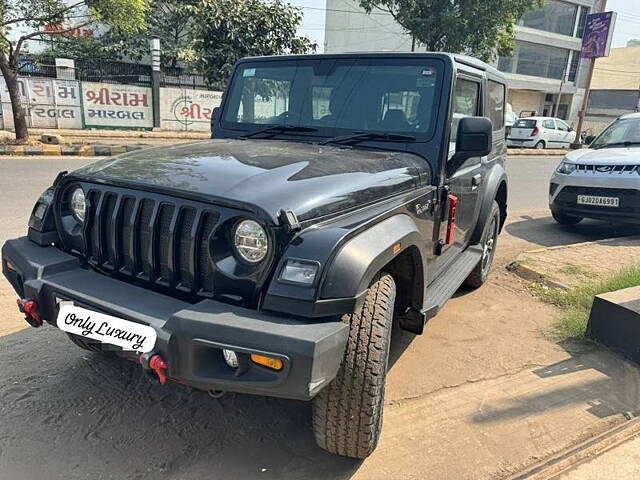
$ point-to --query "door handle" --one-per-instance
(476, 180)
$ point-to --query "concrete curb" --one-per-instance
(68, 150)
(521, 152)
(571, 458)
(529, 272)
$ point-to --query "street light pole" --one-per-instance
(154, 45)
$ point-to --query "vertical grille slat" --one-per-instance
(151, 239)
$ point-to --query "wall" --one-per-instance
(52, 103)
(523, 100)
(619, 71)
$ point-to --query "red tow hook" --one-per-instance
(30, 310)
(158, 365)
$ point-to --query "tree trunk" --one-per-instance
(19, 118)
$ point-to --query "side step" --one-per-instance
(443, 288)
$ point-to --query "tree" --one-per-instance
(227, 30)
(56, 17)
(482, 28)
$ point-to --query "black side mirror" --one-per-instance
(474, 139)
(589, 139)
(215, 113)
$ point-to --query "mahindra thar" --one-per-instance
(340, 195)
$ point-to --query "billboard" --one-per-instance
(188, 110)
(116, 106)
(598, 34)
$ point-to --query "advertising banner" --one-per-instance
(188, 110)
(598, 34)
(48, 103)
(116, 106)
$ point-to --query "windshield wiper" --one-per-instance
(357, 137)
(275, 129)
(616, 144)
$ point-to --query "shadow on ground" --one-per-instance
(547, 233)
(88, 416)
(593, 376)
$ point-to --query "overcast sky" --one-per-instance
(628, 25)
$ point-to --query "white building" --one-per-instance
(548, 44)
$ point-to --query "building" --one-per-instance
(548, 44)
(615, 87)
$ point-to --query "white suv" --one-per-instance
(541, 132)
(603, 181)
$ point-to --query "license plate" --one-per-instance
(598, 201)
(106, 329)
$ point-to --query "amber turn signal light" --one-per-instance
(272, 363)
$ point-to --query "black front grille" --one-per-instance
(629, 199)
(154, 240)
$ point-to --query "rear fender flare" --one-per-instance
(497, 176)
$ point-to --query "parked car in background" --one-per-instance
(540, 133)
(602, 181)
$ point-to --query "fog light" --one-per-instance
(272, 363)
(10, 265)
(230, 357)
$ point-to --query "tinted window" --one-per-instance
(555, 16)
(536, 60)
(337, 96)
(496, 105)
(525, 124)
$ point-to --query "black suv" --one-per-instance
(340, 195)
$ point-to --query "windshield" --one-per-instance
(332, 97)
(620, 133)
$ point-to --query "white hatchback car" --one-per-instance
(603, 181)
(540, 133)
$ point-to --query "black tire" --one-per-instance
(347, 414)
(566, 220)
(87, 344)
(489, 242)
(540, 145)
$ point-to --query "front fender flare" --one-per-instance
(351, 270)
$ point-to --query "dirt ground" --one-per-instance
(482, 394)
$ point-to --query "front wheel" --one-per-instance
(347, 414)
(488, 242)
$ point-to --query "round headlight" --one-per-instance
(78, 204)
(251, 241)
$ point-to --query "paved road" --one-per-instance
(480, 395)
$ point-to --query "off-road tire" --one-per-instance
(347, 414)
(480, 274)
(566, 220)
(87, 344)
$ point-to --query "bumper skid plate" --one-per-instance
(190, 337)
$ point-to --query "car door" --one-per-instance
(565, 134)
(549, 134)
(463, 183)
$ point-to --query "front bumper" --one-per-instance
(564, 191)
(190, 336)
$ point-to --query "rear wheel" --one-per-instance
(567, 220)
(347, 414)
(489, 242)
(540, 145)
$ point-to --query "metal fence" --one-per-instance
(115, 72)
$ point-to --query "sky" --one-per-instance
(627, 27)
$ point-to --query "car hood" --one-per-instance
(268, 175)
(606, 156)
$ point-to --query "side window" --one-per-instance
(263, 99)
(496, 103)
(562, 126)
(549, 124)
(466, 98)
